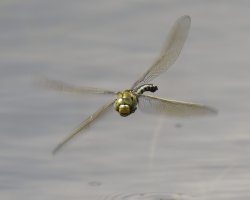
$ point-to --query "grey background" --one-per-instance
(109, 44)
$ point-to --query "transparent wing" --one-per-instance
(65, 87)
(172, 108)
(90, 120)
(169, 53)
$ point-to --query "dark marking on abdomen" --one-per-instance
(146, 88)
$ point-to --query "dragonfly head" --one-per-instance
(125, 103)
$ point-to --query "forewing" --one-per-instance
(65, 87)
(169, 53)
(86, 123)
(172, 108)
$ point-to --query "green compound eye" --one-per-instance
(127, 101)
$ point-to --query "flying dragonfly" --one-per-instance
(126, 102)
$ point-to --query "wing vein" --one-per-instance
(172, 108)
(65, 87)
(172, 48)
(88, 121)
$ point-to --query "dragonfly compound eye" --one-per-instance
(124, 110)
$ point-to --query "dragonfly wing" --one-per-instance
(90, 120)
(65, 87)
(173, 108)
(172, 48)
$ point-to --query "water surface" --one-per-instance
(109, 44)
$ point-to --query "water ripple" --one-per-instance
(147, 196)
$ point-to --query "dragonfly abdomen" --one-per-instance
(146, 88)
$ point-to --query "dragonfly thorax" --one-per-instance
(125, 103)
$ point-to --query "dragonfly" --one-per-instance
(126, 102)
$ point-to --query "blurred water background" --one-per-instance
(109, 44)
